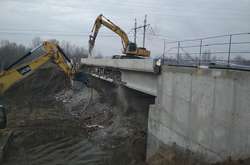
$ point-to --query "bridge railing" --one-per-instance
(231, 50)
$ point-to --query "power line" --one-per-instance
(40, 32)
(54, 34)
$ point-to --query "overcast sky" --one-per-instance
(71, 20)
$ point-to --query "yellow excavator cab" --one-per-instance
(142, 52)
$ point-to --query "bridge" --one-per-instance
(205, 110)
(200, 108)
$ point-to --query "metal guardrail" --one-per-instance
(232, 51)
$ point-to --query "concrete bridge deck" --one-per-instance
(125, 64)
(136, 74)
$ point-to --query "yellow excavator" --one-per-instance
(130, 49)
(15, 72)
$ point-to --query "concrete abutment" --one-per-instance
(203, 110)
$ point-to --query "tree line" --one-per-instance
(11, 51)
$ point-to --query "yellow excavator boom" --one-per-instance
(51, 51)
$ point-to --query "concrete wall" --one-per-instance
(204, 110)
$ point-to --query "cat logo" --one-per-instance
(24, 70)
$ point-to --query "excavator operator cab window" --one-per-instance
(3, 118)
(132, 46)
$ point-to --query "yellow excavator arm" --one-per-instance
(101, 20)
(129, 48)
(51, 52)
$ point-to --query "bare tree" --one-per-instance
(73, 51)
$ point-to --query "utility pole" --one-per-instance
(164, 50)
(135, 31)
(144, 30)
(139, 27)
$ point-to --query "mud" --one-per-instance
(54, 124)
